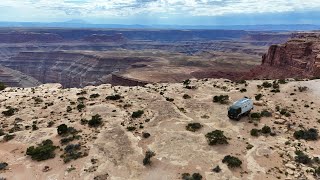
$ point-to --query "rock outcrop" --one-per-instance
(70, 69)
(29, 37)
(97, 38)
(298, 58)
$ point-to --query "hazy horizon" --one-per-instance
(163, 12)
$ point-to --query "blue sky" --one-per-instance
(179, 12)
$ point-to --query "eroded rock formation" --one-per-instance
(69, 69)
(299, 57)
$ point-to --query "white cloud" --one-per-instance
(48, 9)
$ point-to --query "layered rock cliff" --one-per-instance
(299, 57)
(69, 69)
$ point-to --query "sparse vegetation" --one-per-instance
(222, 99)
(62, 129)
(113, 97)
(302, 158)
(147, 158)
(193, 127)
(94, 96)
(95, 121)
(194, 176)
(10, 111)
(137, 114)
(310, 134)
(72, 152)
(2, 86)
(232, 162)
(43, 151)
(3, 165)
(258, 97)
(8, 137)
(216, 137)
(186, 96)
(80, 106)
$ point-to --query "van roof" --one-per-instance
(241, 101)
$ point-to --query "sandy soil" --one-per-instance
(117, 153)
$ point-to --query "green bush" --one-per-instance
(8, 137)
(217, 169)
(137, 114)
(186, 96)
(266, 129)
(44, 151)
(94, 95)
(10, 111)
(310, 134)
(243, 90)
(265, 113)
(69, 109)
(302, 158)
(255, 132)
(232, 161)
(3, 165)
(95, 121)
(147, 158)
(222, 99)
(83, 92)
(2, 86)
(80, 106)
(113, 97)
(62, 129)
(169, 99)
(71, 152)
(258, 97)
(193, 127)
(194, 176)
(266, 84)
(255, 115)
(216, 137)
(302, 88)
(131, 128)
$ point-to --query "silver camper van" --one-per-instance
(240, 108)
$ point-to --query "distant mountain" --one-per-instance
(78, 23)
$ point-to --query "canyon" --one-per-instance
(81, 57)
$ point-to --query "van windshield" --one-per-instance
(234, 110)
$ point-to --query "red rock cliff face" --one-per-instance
(299, 56)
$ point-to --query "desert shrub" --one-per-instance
(67, 139)
(217, 169)
(2, 86)
(275, 85)
(113, 97)
(2, 132)
(258, 97)
(186, 82)
(186, 96)
(302, 158)
(275, 90)
(81, 99)
(69, 109)
(71, 152)
(222, 99)
(80, 106)
(310, 134)
(216, 137)
(137, 114)
(232, 161)
(147, 158)
(194, 176)
(95, 121)
(10, 111)
(131, 128)
(94, 95)
(193, 127)
(83, 92)
(169, 99)
(266, 84)
(62, 129)
(8, 137)
(50, 124)
(265, 113)
(37, 100)
(302, 88)
(243, 90)
(255, 132)
(146, 135)
(282, 81)
(43, 151)
(266, 129)
(255, 115)
(3, 165)
(84, 121)
(34, 127)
